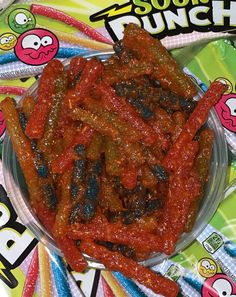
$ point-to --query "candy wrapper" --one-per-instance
(222, 52)
(4, 4)
(34, 32)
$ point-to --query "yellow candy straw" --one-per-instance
(45, 272)
(113, 284)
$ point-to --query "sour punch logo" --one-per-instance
(170, 17)
(16, 241)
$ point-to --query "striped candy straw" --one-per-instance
(60, 16)
(129, 285)
(18, 70)
(195, 283)
(63, 52)
(107, 291)
(79, 41)
(45, 272)
(117, 289)
(60, 276)
(32, 275)
(230, 248)
(12, 90)
(7, 58)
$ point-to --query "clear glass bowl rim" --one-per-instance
(214, 191)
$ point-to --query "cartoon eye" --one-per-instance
(212, 267)
(223, 287)
(31, 41)
(206, 264)
(21, 18)
(10, 37)
(46, 40)
(4, 40)
(231, 103)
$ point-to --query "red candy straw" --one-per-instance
(32, 275)
(106, 289)
(67, 19)
(12, 90)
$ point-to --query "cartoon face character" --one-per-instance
(219, 285)
(207, 267)
(226, 110)
(21, 20)
(7, 41)
(36, 47)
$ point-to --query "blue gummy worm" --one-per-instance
(60, 276)
(79, 169)
(145, 112)
(129, 285)
(92, 190)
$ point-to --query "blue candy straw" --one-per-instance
(203, 87)
(129, 285)
(64, 52)
(7, 58)
(230, 248)
(60, 276)
(194, 283)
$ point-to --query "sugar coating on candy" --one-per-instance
(80, 150)
(23, 120)
(92, 189)
(145, 112)
(160, 172)
(79, 169)
(50, 196)
(119, 148)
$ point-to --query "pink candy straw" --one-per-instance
(32, 275)
(106, 289)
(67, 19)
(12, 90)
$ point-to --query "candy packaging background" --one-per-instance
(34, 270)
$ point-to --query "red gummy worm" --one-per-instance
(53, 72)
(64, 161)
(126, 235)
(71, 253)
(195, 121)
(32, 275)
(126, 112)
(131, 269)
(200, 113)
(129, 177)
(91, 71)
(67, 19)
(46, 216)
(12, 90)
(76, 67)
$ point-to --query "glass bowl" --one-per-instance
(17, 189)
